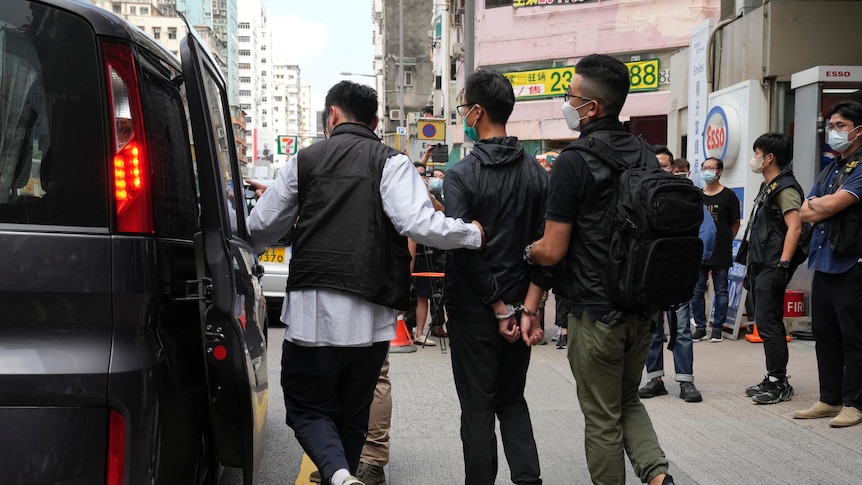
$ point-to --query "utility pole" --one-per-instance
(469, 37)
(447, 61)
(401, 69)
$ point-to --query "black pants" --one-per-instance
(490, 375)
(327, 394)
(836, 315)
(563, 307)
(767, 294)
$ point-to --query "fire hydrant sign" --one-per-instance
(287, 145)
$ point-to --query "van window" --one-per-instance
(52, 139)
(232, 181)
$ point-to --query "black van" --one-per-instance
(132, 324)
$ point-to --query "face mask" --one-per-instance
(681, 174)
(756, 165)
(570, 113)
(708, 176)
(470, 131)
(838, 140)
(435, 184)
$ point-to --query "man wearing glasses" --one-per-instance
(492, 297)
(836, 248)
(607, 356)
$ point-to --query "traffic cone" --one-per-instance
(754, 336)
(402, 343)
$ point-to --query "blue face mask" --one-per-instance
(435, 184)
(470, 131)
(708, 176)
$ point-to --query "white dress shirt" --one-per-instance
(324, 317)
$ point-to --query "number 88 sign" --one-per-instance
(643, 75)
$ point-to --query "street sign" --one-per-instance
(431, 129)
(287, 145)
(401, 130)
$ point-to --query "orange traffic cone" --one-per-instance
(402, 343)
(754, 336)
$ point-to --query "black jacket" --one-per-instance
(506, 190)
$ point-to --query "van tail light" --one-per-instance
(116, 448)
(130, 167)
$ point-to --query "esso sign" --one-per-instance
(721, 134)
(838, 74)
(716, 138)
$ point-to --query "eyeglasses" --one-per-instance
(568, 96)
(839, 127)
(461, 111)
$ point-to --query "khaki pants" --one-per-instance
(607, 362)
(376, 448)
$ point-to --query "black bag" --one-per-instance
(655, 253)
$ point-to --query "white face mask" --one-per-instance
(756, 165)
(570, 113)
(837, 139)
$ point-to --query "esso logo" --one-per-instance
(838, 74)
(716, 137)
(716, 134)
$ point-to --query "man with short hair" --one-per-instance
(836, 290)
(607, 356)
(723, 206)
(665, 158)
(352, 202)
(493, 297)
(772, 239)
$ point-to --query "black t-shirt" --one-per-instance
(724, 209)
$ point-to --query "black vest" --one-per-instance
(766, 241)
(343, 239)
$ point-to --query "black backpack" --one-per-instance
(655, 253)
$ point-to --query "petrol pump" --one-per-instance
(817, 89)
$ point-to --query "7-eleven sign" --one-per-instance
(287, 145)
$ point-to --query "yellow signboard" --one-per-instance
(643, 75)
(544, 83)
(541, 83)
(431, 129)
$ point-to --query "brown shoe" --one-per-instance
(849, 416)
(819, 410)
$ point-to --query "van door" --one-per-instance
(234, 314)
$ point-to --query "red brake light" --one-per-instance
(132, 197)
(116, 448)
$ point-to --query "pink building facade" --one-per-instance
(539, 35)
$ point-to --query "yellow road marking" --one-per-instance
(305, 470)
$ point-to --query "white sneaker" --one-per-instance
(423, 340)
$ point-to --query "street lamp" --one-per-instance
(348, 73)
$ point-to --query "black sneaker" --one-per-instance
(716, 336)
(668, 480)
(757, 388)
(689, 393)
(654, 387)
(699, 334)
(563, 341)
(775, 390)
(370, 474)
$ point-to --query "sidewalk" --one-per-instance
(726, 439)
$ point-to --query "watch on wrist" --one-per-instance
(784, 264)
(509, 314)
(527, 250)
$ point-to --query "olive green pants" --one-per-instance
(608, 362)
